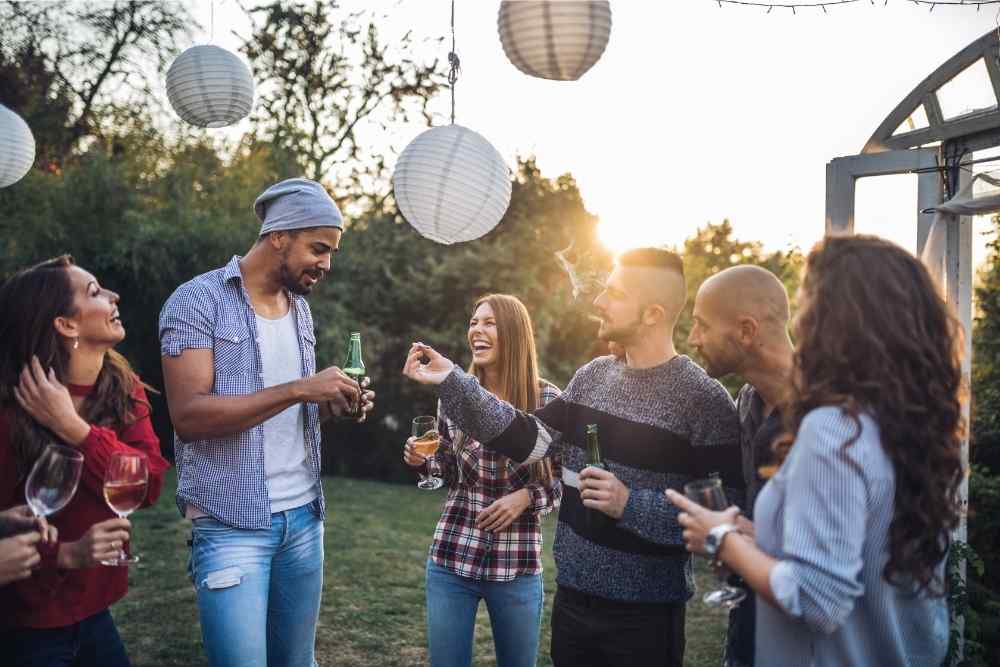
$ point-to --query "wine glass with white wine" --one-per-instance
(125, 490)
(426, 443)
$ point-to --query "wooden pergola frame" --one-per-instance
(940, 174)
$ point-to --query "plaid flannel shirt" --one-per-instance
(476, 477)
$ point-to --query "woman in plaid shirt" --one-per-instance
(488, 542)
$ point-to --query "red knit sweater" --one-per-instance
(52, 597)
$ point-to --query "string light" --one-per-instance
(793, 6)
(454, 64)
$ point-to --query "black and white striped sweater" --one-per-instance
(659, 427)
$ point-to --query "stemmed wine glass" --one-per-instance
(53, 479)
(426, 444)
(709, 494)
(124, 491)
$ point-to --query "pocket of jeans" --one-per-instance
(207, 525)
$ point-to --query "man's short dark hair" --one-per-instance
(652, 258)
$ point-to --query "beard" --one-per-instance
(724, 362)
(623, 334)
(292, 282)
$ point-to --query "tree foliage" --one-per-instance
(72, 69)
(322, 79)
(147, 211)
(713, 248)
(983, 620)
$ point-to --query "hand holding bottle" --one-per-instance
(367, 401)
(602, 491)
(333, 386)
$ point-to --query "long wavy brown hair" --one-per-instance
(30, 301)
(874, 335)
(517, 361)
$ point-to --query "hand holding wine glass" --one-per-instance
(19, 520)
(125, 490)
(53, 479)
(101, 542)
(704, 509)
(425, 443)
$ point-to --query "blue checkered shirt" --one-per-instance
(225, 477)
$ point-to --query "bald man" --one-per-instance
(741, 327)
(622, 583)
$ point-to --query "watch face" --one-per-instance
(710, 544)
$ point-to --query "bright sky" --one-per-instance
(697, 113)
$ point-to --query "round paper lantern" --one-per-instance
(451, 185)
(209, 86)
(17, 147)
(554, 39)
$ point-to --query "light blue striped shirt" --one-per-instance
(225, 477)
(825, 516)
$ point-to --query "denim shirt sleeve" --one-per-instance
(186, 321)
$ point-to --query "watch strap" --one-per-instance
(718, 534)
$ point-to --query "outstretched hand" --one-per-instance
(432, 371)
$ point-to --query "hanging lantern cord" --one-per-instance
(453, 62)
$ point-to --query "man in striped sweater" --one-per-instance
(622, 583)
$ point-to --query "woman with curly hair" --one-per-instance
(852, 530)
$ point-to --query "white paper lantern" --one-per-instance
(451, 184)
(554, 39)
(209, 86)
(17, 147)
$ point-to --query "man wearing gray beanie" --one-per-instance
(246, 401)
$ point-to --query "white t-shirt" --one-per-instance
(290, 482)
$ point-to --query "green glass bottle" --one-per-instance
(594, 448)
(596, 519)
(354, 368)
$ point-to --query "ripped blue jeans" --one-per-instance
(259, 590)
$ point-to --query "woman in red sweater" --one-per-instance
(61, 381)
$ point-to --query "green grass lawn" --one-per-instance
(373, 598)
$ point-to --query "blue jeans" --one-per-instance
(259, 590)
(93, 642)
(515, 616)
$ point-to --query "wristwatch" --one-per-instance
(713, 541)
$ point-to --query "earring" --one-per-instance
(76, 342)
